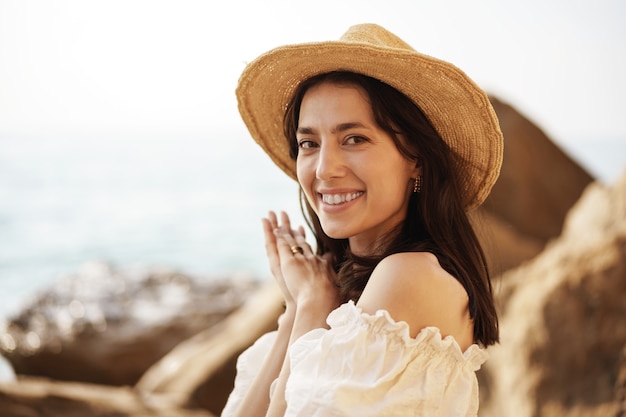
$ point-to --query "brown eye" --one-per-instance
(353, 140)
(306, 144)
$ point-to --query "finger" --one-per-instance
(284, 231)
(270, 245)
(270, 225)
(293, 238)
(286, 224)
(271, 216)
(301, 241)
(268, 232)
(284, 239)
(293, 245)
(284, 220)
(290, 246)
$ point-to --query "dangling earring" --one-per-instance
(417, 185)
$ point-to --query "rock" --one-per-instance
(504, 245)
(34, 397)
(537, 186)
(7, 374)
(108, 326)
(200, 371)
(538, 183)
(620, 387)
(563, 327)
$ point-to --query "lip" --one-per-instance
(334, 208)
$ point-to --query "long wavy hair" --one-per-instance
(436, 219)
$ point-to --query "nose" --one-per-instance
(330, 163)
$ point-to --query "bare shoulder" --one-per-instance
(413, 287)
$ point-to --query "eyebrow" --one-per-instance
(339, 128)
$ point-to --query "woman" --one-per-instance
(390, 314)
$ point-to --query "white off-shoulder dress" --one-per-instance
(368, 365)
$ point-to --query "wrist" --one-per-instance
(316, 303)
(288, 317)
(309, 316)
(313, 310)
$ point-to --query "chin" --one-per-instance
(335, 233)
(336, 236)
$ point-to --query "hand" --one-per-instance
(269, 225)
(309, 279)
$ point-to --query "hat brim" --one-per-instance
(458, 109)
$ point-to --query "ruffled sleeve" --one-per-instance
(368, 365)
(248, 366)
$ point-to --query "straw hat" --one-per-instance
(454, 104)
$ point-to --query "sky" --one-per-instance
(146, 66)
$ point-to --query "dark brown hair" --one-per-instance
(436, 220)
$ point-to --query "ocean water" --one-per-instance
(189, 202)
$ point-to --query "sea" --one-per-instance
(189, 202)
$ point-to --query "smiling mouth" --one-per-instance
(336, 199)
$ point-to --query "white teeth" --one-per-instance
(340, 198)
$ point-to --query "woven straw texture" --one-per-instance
(455, 105)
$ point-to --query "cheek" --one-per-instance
(301, 175)
(305, 180)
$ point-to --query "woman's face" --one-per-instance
(352, 174)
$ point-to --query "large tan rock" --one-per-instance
(563, 320)
(504, 245)
(108, 325)
(537, 186)
(36, 397)
(538, 182)
(200, 371)
(193, 380)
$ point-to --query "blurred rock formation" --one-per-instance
(200, 371)
(560, 266)
(538, 184)
(106, 325)
(563, 320)
(40, 397)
